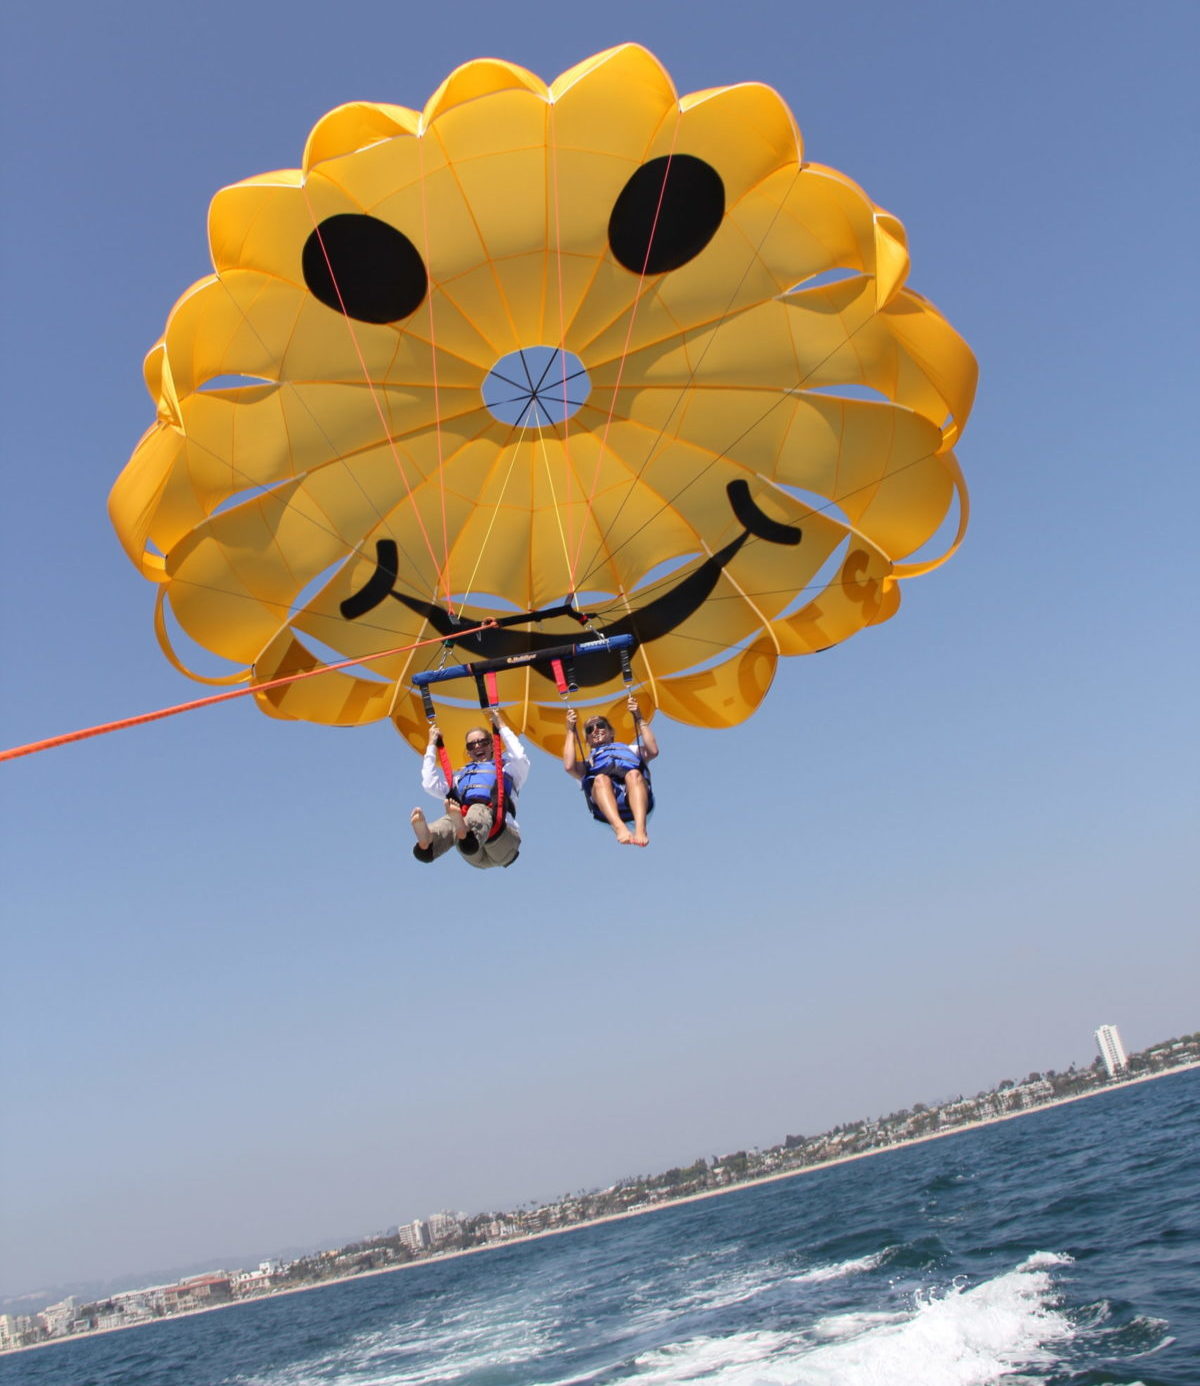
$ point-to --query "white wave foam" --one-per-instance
(960, 1337)
(400, 1355)
(742, 1357)
(728, 1290)
(841, 1269)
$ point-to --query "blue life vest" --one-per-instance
(616, 759)
(476, 784)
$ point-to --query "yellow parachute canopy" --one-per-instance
(591, 343)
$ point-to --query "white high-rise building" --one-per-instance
(414, 1235)
(1112, 1051)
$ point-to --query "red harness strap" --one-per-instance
(446, 768)
(493, 699)
(498, 755)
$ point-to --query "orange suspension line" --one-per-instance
(433, 362)
(562, 346)
(662, 192)
(370, 384)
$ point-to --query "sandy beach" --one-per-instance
(638, 1211)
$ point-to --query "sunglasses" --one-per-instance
(477, 743)
(590, 727)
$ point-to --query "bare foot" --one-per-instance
(421, 828)
(640, 838)
(455, 815)
(624, 837)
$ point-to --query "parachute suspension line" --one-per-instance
(353, 550)
(489, 701)
(558, 518)
(597, 644)
(650, 591)
(493, 701)
(683, 390)
(563, 671)
(627, 679)
(564, 680)
(669, 501)
(501, 295)
(612, 404)
(692, 374)
(443, 757)
(32, 747)
(370, 384)
(292, 609)
(444, 572)
(562, 343)
(495, 513)
(560, 659)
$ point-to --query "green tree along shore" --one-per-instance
(447, 1234)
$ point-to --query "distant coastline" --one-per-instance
(655, 1206)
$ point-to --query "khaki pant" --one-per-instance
(501, 851)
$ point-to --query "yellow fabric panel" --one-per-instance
(934, 353)
(337, 699)
(481, 78)
(262, 225)
(874, 463)
(135, 499)
(299, 452)
(927, 564)
(820, 338)
(861, 594)
(615, 105)
(355, 126)
(725, 695)
(747, 128)
(363, 180)
(891, 258)
(166, 644)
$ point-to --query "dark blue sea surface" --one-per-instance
(1062, 1247)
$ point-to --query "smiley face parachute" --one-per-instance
(585, 348)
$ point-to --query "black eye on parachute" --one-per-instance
(666, 214)
(361, 266)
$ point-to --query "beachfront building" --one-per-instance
(199, 1292)
(18, 1330)
(60, 1319)
(255, 1282)
(1112, 1051)
(414, 1235)
(442, 1225)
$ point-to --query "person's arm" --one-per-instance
(516, 758)
(433, 782)
(569, 758)
(646, 737)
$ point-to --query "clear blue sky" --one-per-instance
(236, 1016)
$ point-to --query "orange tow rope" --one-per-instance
(51, 742)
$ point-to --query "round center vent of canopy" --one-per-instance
(536, 387)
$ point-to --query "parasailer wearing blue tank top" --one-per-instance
(615, 777)
(471, 800)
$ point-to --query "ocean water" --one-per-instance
(1062, 1247)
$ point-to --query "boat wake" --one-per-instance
(956, 1336)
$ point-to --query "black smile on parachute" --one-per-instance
(649, 623)
(534, 340)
